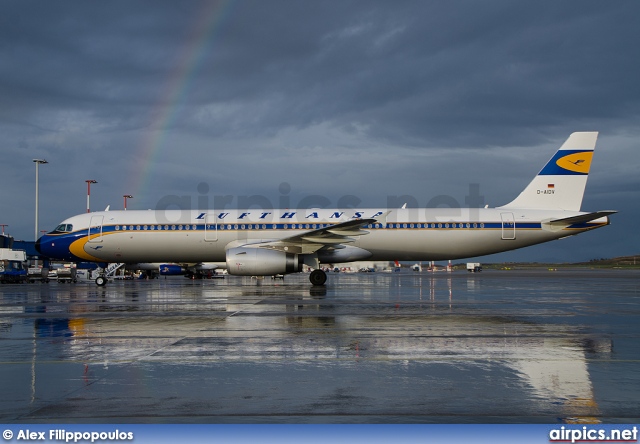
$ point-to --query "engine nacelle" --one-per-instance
(246, 261)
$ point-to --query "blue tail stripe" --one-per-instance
(553, 169)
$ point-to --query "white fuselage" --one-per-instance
(192, 236)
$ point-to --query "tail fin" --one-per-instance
(560, 184)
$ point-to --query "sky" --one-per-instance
(364, 103)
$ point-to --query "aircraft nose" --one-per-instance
(55, 247)
(44, 247)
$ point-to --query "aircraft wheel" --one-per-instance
(318, 277)
(101, 281)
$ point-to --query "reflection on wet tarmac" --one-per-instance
(496, 346)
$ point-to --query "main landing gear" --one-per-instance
(318, 277)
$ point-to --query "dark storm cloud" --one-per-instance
(419, 71)
(80, 56)
(410, 70)
(371, 98)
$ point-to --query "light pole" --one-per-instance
(126, 196)
(89, 182)
(37, 162)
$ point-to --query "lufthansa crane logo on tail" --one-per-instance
(568, 163)
(577, 162)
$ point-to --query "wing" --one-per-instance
(331, 236)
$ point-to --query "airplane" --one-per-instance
(264, 242)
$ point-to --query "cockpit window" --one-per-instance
(62, 228)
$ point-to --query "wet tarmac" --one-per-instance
(497, 346)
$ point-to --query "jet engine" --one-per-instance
(248, 261)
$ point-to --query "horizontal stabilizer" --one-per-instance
(583, 218)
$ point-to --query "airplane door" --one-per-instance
(210, 228)
(508, 226)
(95, 229)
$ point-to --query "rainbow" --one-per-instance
(178, 84)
